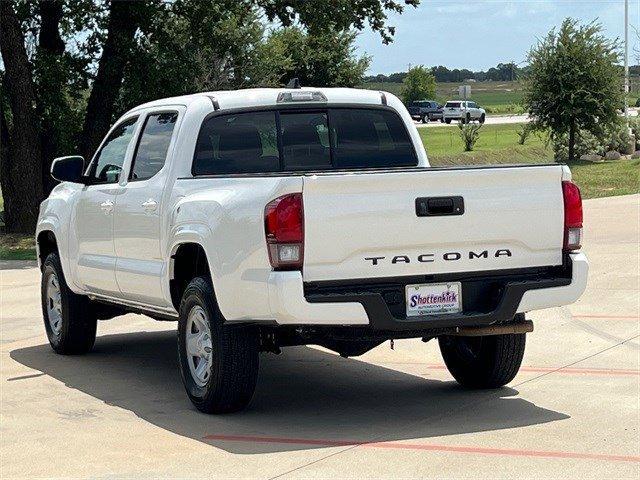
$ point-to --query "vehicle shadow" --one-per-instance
(303, 393)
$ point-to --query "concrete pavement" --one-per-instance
(121, 412)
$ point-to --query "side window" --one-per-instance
(305, 141)
(107, 165)
(242, 143)
(151, 152)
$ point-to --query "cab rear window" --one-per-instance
(302, 140)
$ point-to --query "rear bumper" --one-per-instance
(488, 297)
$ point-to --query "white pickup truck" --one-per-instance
(275, 217)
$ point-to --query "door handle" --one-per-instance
(439, 206)
(107, 207)
(150, 205)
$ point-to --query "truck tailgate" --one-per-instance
(366, 225)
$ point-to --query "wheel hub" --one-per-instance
(199, 346)
(54, 304)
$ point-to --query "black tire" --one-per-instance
(234, 370)
(448, 121)
(467, 119)
(483, 362)
(75, 331)
(425, 119)
(482, 118)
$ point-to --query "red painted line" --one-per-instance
(567, 371)
(427, 446)
(611, 317)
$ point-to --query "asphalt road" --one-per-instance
(502, 119)
(120, 412)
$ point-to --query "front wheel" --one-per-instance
(483, 362)
(448, 121)
(482, 118)
(426, 119)
(218, 362)
(69, 319)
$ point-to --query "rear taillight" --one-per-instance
(572, 216)
(284, 228)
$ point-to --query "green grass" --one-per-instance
(17, 247)
(498, 145)
(620, 177)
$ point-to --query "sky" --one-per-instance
(479, 34)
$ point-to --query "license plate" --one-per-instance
(433, 298)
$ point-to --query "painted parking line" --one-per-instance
(609, 317)
(565, 371)
(426, 446)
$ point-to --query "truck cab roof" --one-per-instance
(265, 97)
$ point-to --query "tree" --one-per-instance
(71, 66)
(573, 82)
(21, 159)
(326, 59)
(419, 84)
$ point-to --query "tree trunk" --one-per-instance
(572, 139)
(21, 167)
(50, 49)
(123, 22)
(49, 37)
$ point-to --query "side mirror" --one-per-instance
(68, 169)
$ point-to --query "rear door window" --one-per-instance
(151, 152)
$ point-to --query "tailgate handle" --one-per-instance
(439, 206)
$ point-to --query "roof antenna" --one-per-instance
(294, 83)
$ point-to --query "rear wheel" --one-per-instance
(483, 362)
(69, 319)
(218, 362)
(448, 121)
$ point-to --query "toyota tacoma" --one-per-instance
(266, 218)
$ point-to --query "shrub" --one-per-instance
(638, 102)
(634, 123)
(523, 133)
(617, 137)
(613, 138)
(469, 132)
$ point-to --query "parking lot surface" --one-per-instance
(120, 412)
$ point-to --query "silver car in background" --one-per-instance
(464, 111)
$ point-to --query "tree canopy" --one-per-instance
(419, 84)
(71, 66)
(574, 82)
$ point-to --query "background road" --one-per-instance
(501, 119)
(121, 412)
